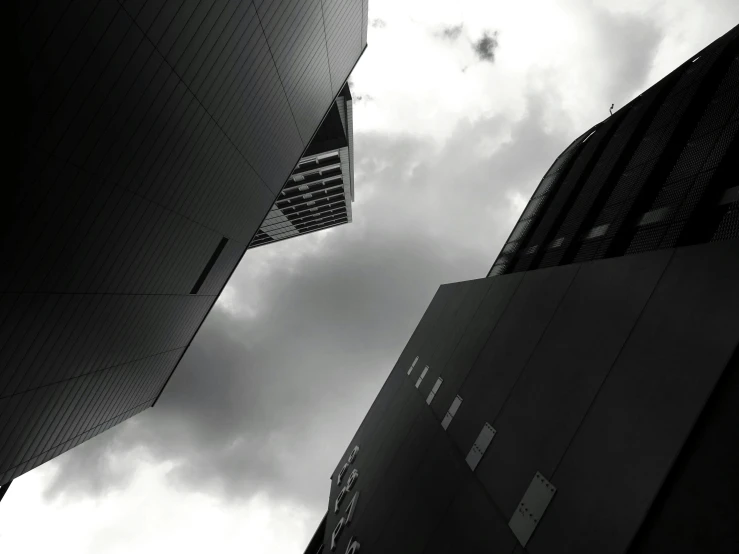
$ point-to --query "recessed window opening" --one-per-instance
(209, 265)
(595, 232)
(412, 366)
(434, 390)
(423, 374)
(556, 243)
(654, 216)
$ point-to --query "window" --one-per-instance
(412, 365)
(481, 445)
(596, 232)
(456, 403)
(434, 390)
(209, 265)
(654, 216)
(423, 374)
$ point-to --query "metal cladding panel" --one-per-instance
(295, 32)
(507, 351)
(390, 477)
(152, 141)
(398, 376)
(646, 408)
(476, 334)
(688, 515)
(471, 524)
(426, 496)
(468, 298)
(566, 368)
(345, 23)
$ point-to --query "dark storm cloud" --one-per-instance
(451, 32)
(266, 400)
(486, 46)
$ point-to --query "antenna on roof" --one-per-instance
(611, 109)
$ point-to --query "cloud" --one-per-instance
(626, 48)
(378, 23)
(297, 357)
(486, 46)
(451, 32)
(285, 368)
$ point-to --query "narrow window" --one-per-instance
(209, 265)
(481, 445)
(423, 374)
(434, 390)
(452, 410)
(412, 365)
(596, 232)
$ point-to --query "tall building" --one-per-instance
(583, 397)
(320, 190)
(151, 140)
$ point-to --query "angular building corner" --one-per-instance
(152, 139)
(320, 190)
(583, 396)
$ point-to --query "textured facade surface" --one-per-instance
(151, 140)
(581, 398)
(659, 173)
(610, 388)
(320, 190)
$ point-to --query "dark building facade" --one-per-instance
(320, 191)
(151, 140)
(583, 397)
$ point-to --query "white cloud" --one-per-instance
(148, 517)
(446, 160)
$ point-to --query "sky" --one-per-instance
(459, 109)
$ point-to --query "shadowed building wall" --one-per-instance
(151, 140)
(581, 398)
